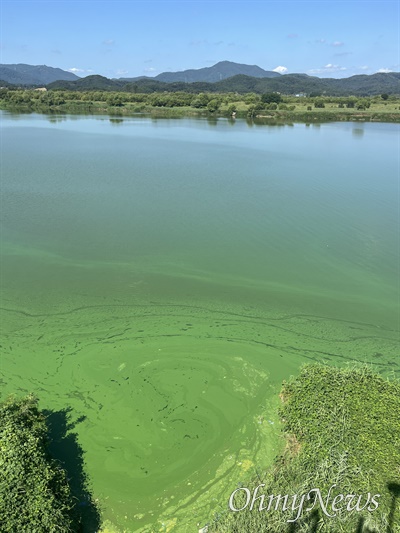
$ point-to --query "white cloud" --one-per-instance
(149, 69)
(364, 67)
(75, 70)
(281, 70)
(121, 72)
(108, 42)
(384, 70)
(329, 68)
(337, 43)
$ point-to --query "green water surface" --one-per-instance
(162, 277)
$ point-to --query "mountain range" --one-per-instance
(22, 74)
(225, 76)
(219, 71)
(290, 84)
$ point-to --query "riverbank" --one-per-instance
(342, 428)
(231, 106)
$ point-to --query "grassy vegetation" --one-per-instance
(179, 104)
(342, 428)
(35, 492)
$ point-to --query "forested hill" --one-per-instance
(290, 84)
(360, 85)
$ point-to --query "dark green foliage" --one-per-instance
(37, 453)
(384, 96)
(34, 492)
(269, 98)
(351, 103)
(363, 104)
(319, 103)
(90, 83)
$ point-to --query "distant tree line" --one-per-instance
(211, 102)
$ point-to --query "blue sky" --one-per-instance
(133, 38)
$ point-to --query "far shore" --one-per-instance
(269, 108)
(274, 117)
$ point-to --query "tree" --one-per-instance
(250, 98)
(351, 102)
(213, 105)
(200, 101)
(384, 96)
(115, 99)
(269, 98)
(319, 103)
(362, 104)
(251, 111)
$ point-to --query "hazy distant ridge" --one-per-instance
(21, 74)
(219, 71)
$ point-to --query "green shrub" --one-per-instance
(34, 491)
